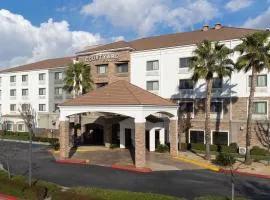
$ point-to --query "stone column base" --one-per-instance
(140, 145)
(173, 137)
(64, 139)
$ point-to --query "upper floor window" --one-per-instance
(24, 92)
(152, 85)
(186, 84)
(186, 107)
(260, 107)
(102, 69)
(13, 92)
(261, 81)
(122, 68)
(58, 91)
(12, 107)
(41, 77)
(12, 79)
(217, 83)
(25, 107)
(184, 62)
(216, 107)
(42, 107)
(152, 65)
(24, 78)
(42, 91)
(58, 75)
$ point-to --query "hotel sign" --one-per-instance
(102, 57)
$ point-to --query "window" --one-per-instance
(42, 91)
(25, 107)
(260, 108)
(20, 127)
(13, 92)
(186, 84)
(261, 81)
(24, 78)
(220, 138)
(42, 107)
(152, 85)
(24, 92)
(184, 62)
(41, 77)
(58, 91)
(122, 68)
(12, 107)
(196, 136)
(216, 107)
(217, 83)
(186, 107)
(102, 69)
(12, 79)
(58, 75)
(152, 65)
(9, 125)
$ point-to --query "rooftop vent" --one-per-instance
(205, 27)
(218, 26)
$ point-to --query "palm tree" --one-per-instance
(78, 79)
(254, 57)
(210, 59)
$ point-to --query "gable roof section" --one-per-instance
(44, 64)
(119, 93)
(177, 39)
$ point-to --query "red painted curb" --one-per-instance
(245, 173)
(6, 197)
(131, 168)
(69, 161)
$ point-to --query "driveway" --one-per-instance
(181, 183)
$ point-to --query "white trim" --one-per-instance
(228, 135)
(196, 130)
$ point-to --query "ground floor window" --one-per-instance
(9, 126)
(20, 127)
(260, 108)
(196, 136)
(220, 137)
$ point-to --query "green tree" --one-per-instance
(78, 79)
(254, 57)
(210, 59)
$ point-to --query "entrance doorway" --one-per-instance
(128, 140)
(93, 134)
(147, 139)
(157, 139)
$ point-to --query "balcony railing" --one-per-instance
(216, 91)
(186, 91)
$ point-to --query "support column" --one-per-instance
(162, 136)
(152, 140)
(140, 144)
(122, 137)
(173, 137)
(64, 139)
(107, 133)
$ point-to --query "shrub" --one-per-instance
(213, 147)
(224, 159)
(258, 151)
(232, 148)
(198, 146)
(162, 148)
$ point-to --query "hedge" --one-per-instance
(232, 148)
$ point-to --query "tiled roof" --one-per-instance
(44, 64)
(119, 93)
(177, 39)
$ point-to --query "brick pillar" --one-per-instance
(64, 139)
(173, 137)
(107, 133)
(140, 145)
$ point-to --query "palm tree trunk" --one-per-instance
(207, 118)
(248, 160)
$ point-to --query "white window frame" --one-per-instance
(228, 135)
(13, 95)
(12, 127)
(14, 79)
(43, 104)
(196, 130)
(119, 65)
(106, 69)
(260, 116)
(187, 57)
(152, 61)
(43, 75)
(60, 76)
(27, 92)
(39, 92)
(249, 77)
(25, 81)
(20, 123)
(57, 88)
(152, 81)
(10, 107)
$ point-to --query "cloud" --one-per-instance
(144, 16)
(236, 5)
(21, 42)
(260, 21)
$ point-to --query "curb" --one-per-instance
(70, 161)
(6, 197)
(204, 165)
(26, 142)
(131, 169)
(225, 171)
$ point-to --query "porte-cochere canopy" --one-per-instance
(120, 97)
(124, 99)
